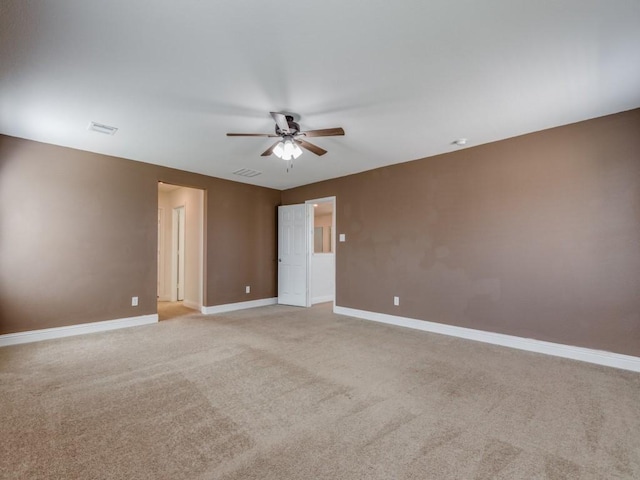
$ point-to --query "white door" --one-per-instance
(293, 221)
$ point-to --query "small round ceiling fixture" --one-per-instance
(460, 142)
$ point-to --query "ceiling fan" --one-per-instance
(288, 147)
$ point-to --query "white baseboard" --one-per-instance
(600, 357)
(324, 299)
(164, 298)
(71, 330)
(230, 307)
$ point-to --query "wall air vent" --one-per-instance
(100, 128)
(246, 172)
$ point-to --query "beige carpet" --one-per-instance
(288, 393)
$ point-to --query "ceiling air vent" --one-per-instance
(100, 128)
(246, 172)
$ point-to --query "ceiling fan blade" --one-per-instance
(325, 132)
(252, 135)
(269, 150)
(311, 147)
(281, 120)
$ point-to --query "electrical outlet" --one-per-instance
(396, 301)
(134, 301)
(247, 289)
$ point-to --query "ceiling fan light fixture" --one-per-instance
(287, 150)
(288, 147)
(297, 151)
(278, 150)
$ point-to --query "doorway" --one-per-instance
(306, 252)
(322, 261)
(180, 250)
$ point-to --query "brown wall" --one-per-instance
(78, 234)
(536, 236)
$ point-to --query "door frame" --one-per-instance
(195, 226)
(160, 254)
(310, 226)
(178, 236)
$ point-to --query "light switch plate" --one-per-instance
(343, 237)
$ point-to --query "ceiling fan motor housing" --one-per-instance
(294, 128)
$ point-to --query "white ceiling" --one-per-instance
(404, 79)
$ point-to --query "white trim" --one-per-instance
(178, 249)
(326, 298)
(599, 357)
(71, 330)
(201, 253)
(230, 307)
(160, 248)
(332, 198)
(308, 227)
